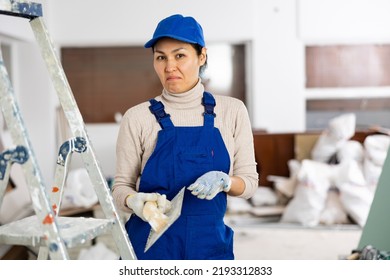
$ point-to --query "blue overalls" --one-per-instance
(181, 155)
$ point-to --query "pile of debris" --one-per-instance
(338, 183)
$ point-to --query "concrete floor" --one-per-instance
(276, 242)
(256, 239)
(270, 243)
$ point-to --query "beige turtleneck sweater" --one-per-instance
(138, 131)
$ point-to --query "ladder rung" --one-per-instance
(74, 230)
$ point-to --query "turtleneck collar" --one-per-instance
(184, 100)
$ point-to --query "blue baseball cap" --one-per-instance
(178, 27)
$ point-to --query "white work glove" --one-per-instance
(210, 184)
(136, 202)
(163, 204)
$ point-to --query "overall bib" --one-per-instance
(181, 155)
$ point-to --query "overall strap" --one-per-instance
(157, 108)
(208, 102)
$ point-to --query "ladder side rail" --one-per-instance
(76, 144)
(106, 201)
(60, 174)
(5, 170)
(78, 129)
(40, 200)
(62, 166)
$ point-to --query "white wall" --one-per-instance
(343, 21)
(275, 31)
(16, 28)
(278, 73)
(122, 22)
(37, 103)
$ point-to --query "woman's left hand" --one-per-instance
(210, 184)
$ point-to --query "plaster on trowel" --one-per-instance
(161, 222)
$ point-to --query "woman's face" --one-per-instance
(177, 64)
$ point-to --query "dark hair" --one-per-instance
(198, 48)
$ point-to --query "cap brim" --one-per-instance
(153, 41)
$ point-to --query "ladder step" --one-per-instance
(74, 231)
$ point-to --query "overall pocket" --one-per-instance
(191, 163)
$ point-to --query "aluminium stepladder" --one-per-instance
(47, 230)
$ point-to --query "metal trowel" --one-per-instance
(161, 223)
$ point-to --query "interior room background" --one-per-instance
(296, 64)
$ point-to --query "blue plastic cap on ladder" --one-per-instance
(28, 10)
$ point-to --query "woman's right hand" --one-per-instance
(136, 202)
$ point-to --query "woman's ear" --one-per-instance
(203, 56)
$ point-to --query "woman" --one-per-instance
(185, 137)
